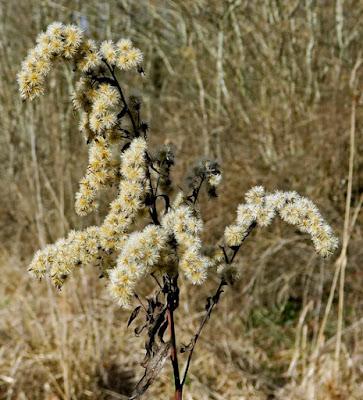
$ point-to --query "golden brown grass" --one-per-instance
(267, 88)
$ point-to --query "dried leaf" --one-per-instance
(162, 330)
(186, 348)
(122, 112)
(153, 368)
(133, 315)
(208, 304)
(139, 329)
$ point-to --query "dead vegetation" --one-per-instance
(270, 88)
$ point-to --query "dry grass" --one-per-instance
(264, 86)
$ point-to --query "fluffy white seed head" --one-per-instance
(58, 41)
(185, 225)
(72, 37)
(129, 201)
(261, 208)
(108, 51)
(246, 214)
(255, 195)
(234, 235)
(99, 172)
(88, 57)
(140, 253)
(61, 258)
(124, 45)
(128, 57)
(214, 179)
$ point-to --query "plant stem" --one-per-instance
(214, 300)
(174, 355)
(342, 260)
(196, 194)
(172, 304)
(123, 99)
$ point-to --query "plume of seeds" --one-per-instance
(59, 41)
(176, 242)
(261, 208)
(139, 254)
(130, 199)
(99, 173)
(95, 244)
(185, 225)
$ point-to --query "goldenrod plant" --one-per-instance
(149, 230)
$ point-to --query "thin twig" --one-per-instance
(196, 194)
(342, 260)
(141, 303)
(214, 300)
(112, 72)
(156, 280)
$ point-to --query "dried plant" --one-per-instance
(149, 231)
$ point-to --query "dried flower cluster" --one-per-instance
(67, 42)
(140, 253)
(59, 41)
(61, 258)
(122, 54)
(185, 225)
(99, 172)
(95, 244)
(95, 97)
(130, 199)
(118, 155)
(261, 207)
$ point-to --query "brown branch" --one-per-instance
(172, 304)
(211, 303)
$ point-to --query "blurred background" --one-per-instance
(269, 88)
